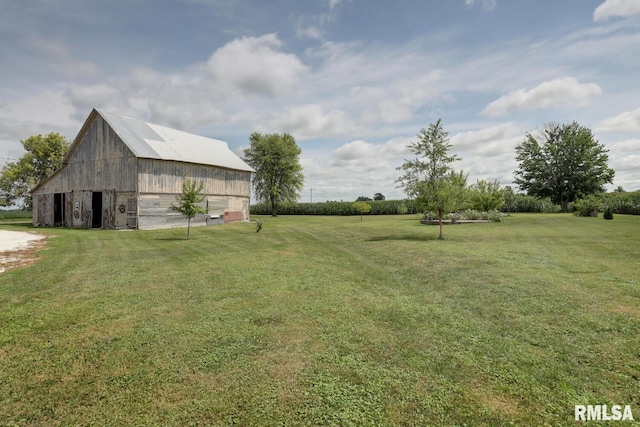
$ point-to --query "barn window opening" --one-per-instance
(96, 207)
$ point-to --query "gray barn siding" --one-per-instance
(160, 181)
(100, 161)
(155, 211)
(164, 176)
(43, 210)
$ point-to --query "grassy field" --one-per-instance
(325, 321)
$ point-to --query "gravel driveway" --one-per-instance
(14, 246)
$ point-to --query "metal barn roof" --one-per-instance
(152, 141)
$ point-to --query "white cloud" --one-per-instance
(489, 140)
(309, 121)
(628, 121)
(627, 146)
(611, 8)
(42, 113)
(357, 168)
(556, 93)
(254, 65)
(488, 153)
(487, 4)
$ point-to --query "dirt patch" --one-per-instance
(18, 248)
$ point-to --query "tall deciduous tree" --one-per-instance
(189, 200)
(428, 178)
(564, 162)
(43, 156)
(276, 160)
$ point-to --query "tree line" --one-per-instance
(561, 163)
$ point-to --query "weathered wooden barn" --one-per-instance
(124, 173)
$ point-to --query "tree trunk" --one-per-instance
(440, 221)
(274, 209)
(564, 205)
(188, 227)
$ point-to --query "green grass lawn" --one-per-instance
(325, 321)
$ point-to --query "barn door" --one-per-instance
(109, 209)
(87, 209)
(132, 212)
(68, 209)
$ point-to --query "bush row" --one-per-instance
(378, 207)
(623, 202)
(522, 203)
(617, 202)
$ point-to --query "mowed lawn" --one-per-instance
(325, 321)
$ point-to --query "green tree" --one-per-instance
(362, 208)
(43, 156)
(276, 160)
(486, 195)
(378, 196)
(189, 200)
(565, 163)
(428, 178)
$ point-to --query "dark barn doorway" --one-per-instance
(96, 208)
(58, 210)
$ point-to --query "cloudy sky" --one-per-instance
(353, 81)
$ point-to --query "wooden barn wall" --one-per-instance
(160, 182)
(162, 176)
(155, 211)
(126, 211)
(43, 210)
(101, 161)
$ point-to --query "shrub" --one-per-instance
(607, 213)
(588, 206)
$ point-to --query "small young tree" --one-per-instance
(188, 201)
(428, 178)
(362, 208)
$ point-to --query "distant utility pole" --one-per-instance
(311, 191)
